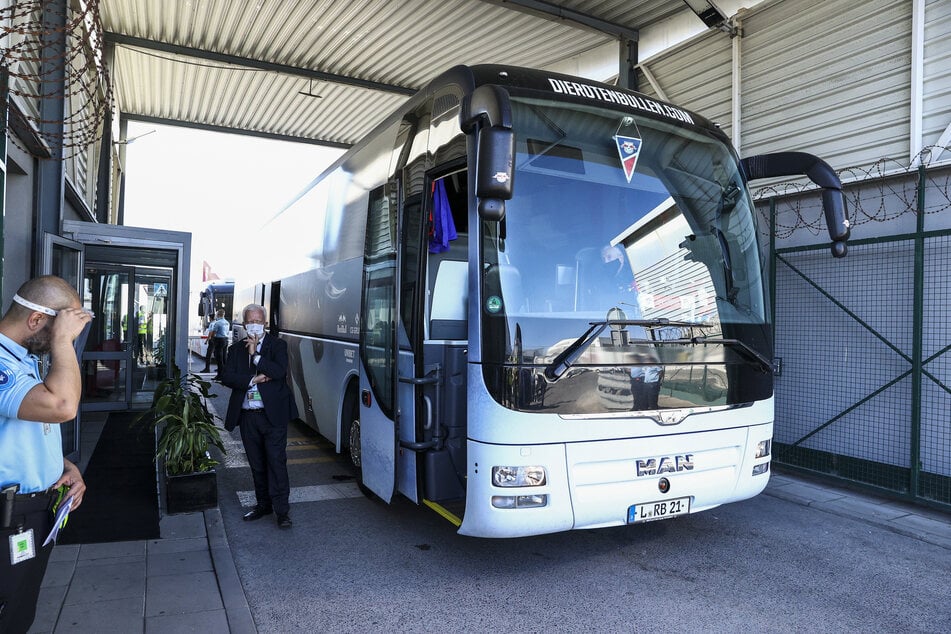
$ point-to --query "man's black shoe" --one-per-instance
(284, 521)
(256, 513)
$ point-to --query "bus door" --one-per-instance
(442, 428)
(387, 383)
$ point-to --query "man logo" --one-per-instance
(665, 464)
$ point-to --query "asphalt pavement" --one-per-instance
(188, 579)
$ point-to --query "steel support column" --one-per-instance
(120, 205)
(917, 339)
(4, 101)
(50, 180)
(916, 104)
(627, 69)
(104, 175)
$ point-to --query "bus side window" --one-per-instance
(450, 300)
(447, 276)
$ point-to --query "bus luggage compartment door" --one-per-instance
(386, 467)
(377, 444)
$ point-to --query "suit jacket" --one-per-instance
(279, 405)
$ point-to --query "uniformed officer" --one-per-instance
(46, 316)
(142, 333)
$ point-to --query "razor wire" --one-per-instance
(881, 192)
(78, 74)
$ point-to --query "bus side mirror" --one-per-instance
(495, 171)
(820, 173)
(204, 304)
(489, 109)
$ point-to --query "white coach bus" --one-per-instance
(536, 303)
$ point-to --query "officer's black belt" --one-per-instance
(33, 502)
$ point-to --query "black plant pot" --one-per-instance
(191, 492)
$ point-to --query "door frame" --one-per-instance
(128, 355)
(122, 355)
(178, 243)
(71, 441)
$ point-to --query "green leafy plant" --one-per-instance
(180, 404)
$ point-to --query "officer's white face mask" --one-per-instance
(254, 330)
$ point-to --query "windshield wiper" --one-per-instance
(560, 364)
(745, 349)
(662, 322)
(729, 280)
(563, 362)
(729, 196)
(751, 352)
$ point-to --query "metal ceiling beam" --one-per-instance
(128, 116)
(551, 11)
(152, 45)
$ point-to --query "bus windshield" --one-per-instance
(642, 223)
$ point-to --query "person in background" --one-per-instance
(645, 385)
(262, 405)
(46, 316)
(218, 335)
(142, 335)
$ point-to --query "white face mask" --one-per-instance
(254, 330)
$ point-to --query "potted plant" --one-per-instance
(187, 432)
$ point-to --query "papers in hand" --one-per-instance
(60, 520)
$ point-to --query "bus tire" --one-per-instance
(353, 436)
(356, 459)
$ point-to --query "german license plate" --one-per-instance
(651, 511)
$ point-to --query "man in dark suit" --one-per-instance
(262, 405)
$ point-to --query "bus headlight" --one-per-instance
(518, 476)
(760, 469)
(762, 448)
(519, 501)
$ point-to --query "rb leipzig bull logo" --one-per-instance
(628, 148)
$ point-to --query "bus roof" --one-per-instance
(555, 85)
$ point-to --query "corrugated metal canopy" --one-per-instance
(252, 65)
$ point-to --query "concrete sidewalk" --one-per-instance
(187, 582)
(904, 518)
(184, 582)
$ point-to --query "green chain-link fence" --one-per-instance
(864, 390)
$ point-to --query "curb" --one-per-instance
(235, 602)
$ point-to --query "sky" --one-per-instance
(219, 187)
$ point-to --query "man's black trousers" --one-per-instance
(266, 447)
(20, 583)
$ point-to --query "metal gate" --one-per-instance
(863, 344)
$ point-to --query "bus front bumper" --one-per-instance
(605, 483)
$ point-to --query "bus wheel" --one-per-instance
(355, 443)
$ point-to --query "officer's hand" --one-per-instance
(74, 480)
(69, 323)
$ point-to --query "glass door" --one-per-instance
(154, 316)
(107, 355)
(127, 351)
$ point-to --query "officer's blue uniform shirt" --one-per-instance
(30, 453)
(219, 328)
